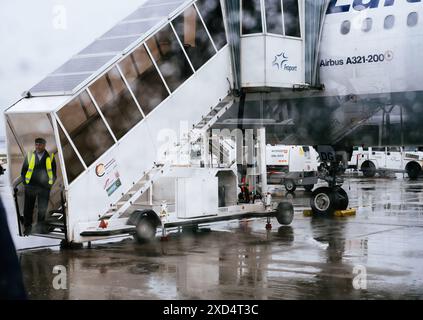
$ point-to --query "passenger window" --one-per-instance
(389, 22)
(274, 16)
(291, 17)
(116, 103)
(394, 149)
(412, 19)
(86, 128)
(144, 80)
(194, 37)
(211, 11)
(251, 17)
(73, 165)
(169, 57)
(345, 27)
(367, 25)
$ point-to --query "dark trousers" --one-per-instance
(31, 194)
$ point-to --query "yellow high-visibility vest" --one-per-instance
(31, 166)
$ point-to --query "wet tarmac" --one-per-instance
(378, 254)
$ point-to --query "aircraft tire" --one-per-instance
(342, 199)
(323, 201)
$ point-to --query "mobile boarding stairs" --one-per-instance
(112, 112)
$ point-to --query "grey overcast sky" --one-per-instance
(37, 36)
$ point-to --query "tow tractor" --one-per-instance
(372, 160)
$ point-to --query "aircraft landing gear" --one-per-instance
(326, 200)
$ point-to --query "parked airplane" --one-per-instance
(369, 66)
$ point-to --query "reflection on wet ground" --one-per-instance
(311, 259)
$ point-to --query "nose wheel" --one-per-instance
(325, 200)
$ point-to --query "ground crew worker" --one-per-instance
(38, 174)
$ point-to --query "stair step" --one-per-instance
(51, 235)
(130, 193)
(55, 224)
(139, 185)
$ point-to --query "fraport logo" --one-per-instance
(281, 62)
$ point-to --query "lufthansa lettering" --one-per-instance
(359, 5)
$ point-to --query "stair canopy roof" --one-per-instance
(107, 49)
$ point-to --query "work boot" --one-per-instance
(27, 231)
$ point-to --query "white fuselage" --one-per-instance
(381, 60)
